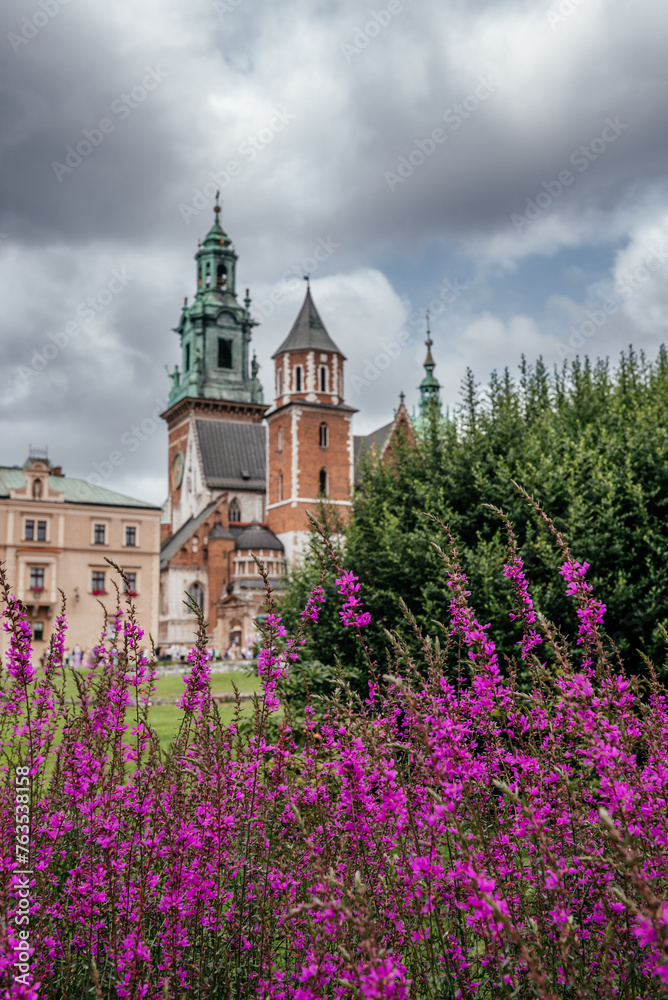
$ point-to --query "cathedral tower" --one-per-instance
(215, 408)
(310, 442)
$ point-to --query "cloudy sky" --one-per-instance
(502, 163)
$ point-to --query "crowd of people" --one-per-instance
(78, 657)
(179, 653)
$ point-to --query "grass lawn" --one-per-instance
(166, 719)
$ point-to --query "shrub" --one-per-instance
(446, 835)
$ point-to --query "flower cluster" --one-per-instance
(351, 610)
(514, 571)
(591, 611)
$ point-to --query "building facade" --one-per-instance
(55, 533)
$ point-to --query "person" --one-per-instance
(77, 656)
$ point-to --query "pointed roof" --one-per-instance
(308, 332)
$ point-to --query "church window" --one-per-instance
(234, 510)
(279, 444)
(298, 378)
(195, 544)
(324, 436)
(323, 379)
(208, 275)
(196, 591)
(280, 486)
(37, 489)
(186, 359)
(224, 353)
(221, 276)
(322, 484)
(279, 382)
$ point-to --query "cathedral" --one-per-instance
(243, 473)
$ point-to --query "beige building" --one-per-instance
(55, 533)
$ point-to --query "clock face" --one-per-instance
(177, 469)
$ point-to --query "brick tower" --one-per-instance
(310, 441)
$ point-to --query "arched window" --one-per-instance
(298, 378)
(195, 544)
(186, 359)
(196, 591)
(323, 379)
(280, 486)
(279, 382)
(340, 381)
(234, 510)
(221, 276)
(322, 483)
(279, 443)
(37, 489)
(324, 436)
(208, 275)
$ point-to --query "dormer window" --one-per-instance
(298, 378)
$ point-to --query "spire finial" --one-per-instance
(428, 341)
(217, 209)
(307, 279)
(402, 397)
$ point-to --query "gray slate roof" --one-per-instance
(74, 490)
(251, 536)
(233, 454)
(256, 537)
(172, 545)
(363, 443)
(308, 332)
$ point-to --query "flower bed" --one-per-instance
(448, 836)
